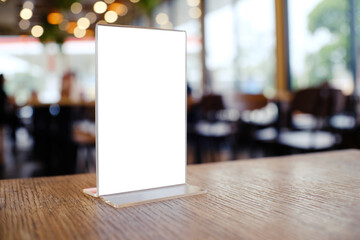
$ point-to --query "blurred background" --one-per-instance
(265, 78)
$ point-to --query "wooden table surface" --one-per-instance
(313, 196)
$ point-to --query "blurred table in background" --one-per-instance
(310, 196)
(56, 140)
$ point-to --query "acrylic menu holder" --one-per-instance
(140, 116)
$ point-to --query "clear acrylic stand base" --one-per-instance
(128, 199)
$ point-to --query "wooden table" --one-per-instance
(313, 196)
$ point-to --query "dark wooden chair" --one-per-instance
(256, 129)
(318, 104)
(210, 130)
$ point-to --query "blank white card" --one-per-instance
(140, 108)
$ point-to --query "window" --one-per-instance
(32, 67)
(240, 41)
(177, 15)
(319, 35)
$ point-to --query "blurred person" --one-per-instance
(69, 89)
(190, 100)
(7, 116)
(3, 117)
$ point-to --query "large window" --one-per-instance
(256, 39)
(31, 67)
(319, 36)
(240, 41)
(220, 45)
(185, 15)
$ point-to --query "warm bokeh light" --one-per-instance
(109, 1)
(70, 27)
(24, 24)
(162, 18)
(195, 12)
(102, 22)
(76, 8)
(193, 3)
(100, 7)
(55, 18)
(110, 16)
(83, 23)
(63, 25)
(113, 7)
(134, 1)
(89, 33)
(168, 25)
(37, 31)
(91, 16)
(26, 14)
(119, 8)
(29, 5)
(79, 33)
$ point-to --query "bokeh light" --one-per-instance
(100, 7)
(119, 8)
(24, 24)
(110, 16)
(83, 23)
(89, 33)
(193, 3)
(102, 22)
(79, 33)
(195, 12)
(162, 18)
(91, 16)
(26, 14)
(76, 8)
(29, 5)
(63, 25)
(55, 18)
(168, 25)
(37, 31)
(70, 27)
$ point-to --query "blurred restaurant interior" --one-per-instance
(264, 78)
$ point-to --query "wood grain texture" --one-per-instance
(313, 196)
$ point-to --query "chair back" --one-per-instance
(242, 102)
(210, 104)
(320, 102)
